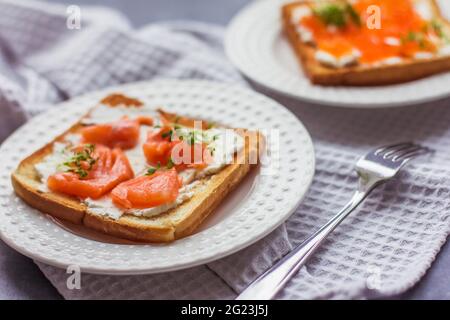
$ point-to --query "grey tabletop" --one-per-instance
(20, 278)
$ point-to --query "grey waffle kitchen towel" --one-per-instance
(381, 250)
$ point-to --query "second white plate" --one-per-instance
(256, 45)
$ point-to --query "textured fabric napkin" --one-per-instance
(381, 250)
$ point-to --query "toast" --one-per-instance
(407, 69)
(173, 224)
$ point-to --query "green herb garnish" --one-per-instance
(167, 134)
(170, 164)
(331, 14)
(338, 15)
(152, 170)
(190, 136)
(353, 14)
(78, 161)
(414, 37)
(422, 44)
(191, 140)
(436, 26)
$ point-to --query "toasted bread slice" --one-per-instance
(407, 70)
(176, 223)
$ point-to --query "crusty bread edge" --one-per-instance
(58, 205)
(128, 230)
(223, 184)
(360, 75)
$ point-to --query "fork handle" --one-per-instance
(266, 286)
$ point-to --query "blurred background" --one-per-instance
(141, 12)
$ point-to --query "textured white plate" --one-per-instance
(264, 200)
(256, 45)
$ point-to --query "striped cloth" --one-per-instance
(382, 250)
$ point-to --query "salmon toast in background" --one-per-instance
(368, 42)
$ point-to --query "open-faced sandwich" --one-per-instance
(368, 42)
(135, 172)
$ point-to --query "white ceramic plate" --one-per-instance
(256, 45)
(261, 203)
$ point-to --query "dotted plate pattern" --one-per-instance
(257, 47)
(271, 201)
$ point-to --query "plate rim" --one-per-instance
(135, 271)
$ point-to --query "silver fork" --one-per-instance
(373, 169)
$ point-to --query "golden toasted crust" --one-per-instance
(174, 224)
(131, 228)
(25, 181)
(219, 185)
(407, 70)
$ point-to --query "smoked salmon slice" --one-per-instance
(159, 145)
(92, 175)
(122, 134)
(164, 148)
(147, 191)
(196, 156)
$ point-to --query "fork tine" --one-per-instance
(405, 151)
(411, 154)
(393, 151)
(388, 148)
